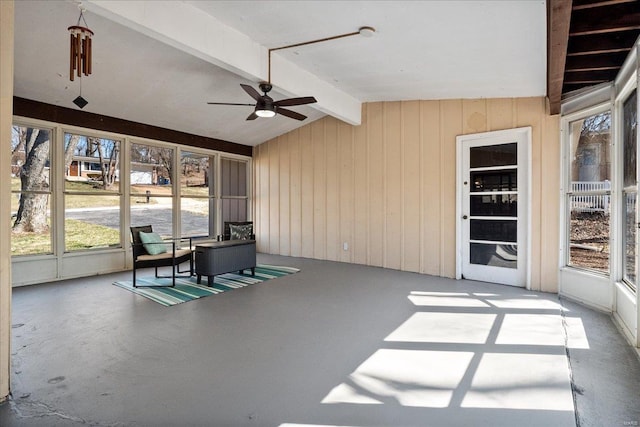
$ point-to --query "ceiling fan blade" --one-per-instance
(251, 91)
(290, 114)
(295, 101)
(252, 116)
(229, 103)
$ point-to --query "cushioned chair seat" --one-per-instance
(167, 255)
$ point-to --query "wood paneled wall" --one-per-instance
(387, 189)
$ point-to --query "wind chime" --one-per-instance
(80, 55)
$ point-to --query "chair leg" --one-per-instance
(134, 276)
(173, 275)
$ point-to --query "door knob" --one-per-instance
(464, 217)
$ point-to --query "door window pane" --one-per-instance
(505, 256)
(494, 155)
(494, 230)
(494, 205)
(504, 180)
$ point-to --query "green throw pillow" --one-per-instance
(151, 243)
(240, 232)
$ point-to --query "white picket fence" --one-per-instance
(590, 202)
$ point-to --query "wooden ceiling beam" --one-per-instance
(558, 21)
(609, 61)
(598, 3)
(590, 76)
(612, 18)
(601, 43)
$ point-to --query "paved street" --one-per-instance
(158, 216)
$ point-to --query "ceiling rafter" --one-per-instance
(600, 35)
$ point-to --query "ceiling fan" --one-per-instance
(265, 106)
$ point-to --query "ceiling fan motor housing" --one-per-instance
(265, 103)
(265, 87)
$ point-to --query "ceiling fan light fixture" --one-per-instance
(265, 113)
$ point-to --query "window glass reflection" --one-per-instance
(494, 155)
(494, 205)
(494, 230)
(505, 256)
(494, 181)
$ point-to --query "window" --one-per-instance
(589, 194)
(91, 192)
(31, 191)
(630, 188)
(197, 202)
(235, 202)
(151, 188)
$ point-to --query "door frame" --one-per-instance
(523, 136)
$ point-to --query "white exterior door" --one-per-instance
(493, 204)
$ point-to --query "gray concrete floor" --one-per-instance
(335, 344)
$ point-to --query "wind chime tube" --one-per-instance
(72, 56)
(79, 55)
(84, 56)
(89, 56)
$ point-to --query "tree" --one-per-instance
(70, 151)
(108, 152)
(34, 184)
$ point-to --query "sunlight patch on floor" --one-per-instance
(576, 335)
(531, 329)
(526, 303)
(461, 328)
(405, 377)
(521, 381)
(445, 299)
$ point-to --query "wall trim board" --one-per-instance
(68, 116)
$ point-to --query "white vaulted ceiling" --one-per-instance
(160, 62)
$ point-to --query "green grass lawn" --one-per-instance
(79, 235)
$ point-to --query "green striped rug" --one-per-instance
(187, 289)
